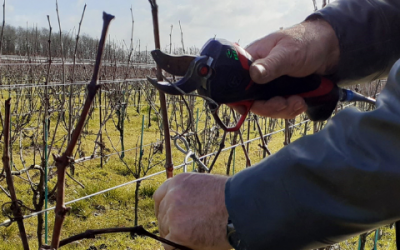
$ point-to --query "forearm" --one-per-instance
(369, 37)
(326, 187)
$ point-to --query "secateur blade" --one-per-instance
(175, 65)
(195, 76)
(167, 87)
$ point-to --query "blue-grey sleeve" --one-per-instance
(326, 187)
(344, 180)
(369, 36)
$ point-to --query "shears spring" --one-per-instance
(188, 152)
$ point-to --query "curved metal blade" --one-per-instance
(175, 65)
(183, 86)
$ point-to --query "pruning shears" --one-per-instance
(221, 74)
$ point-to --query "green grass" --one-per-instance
(116, 208)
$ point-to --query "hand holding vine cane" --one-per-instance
(191, 211)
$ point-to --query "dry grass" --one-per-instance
(116, 208)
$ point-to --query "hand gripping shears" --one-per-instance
(221, 73)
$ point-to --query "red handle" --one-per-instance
(324, 88)
(247, 104)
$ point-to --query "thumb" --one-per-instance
(266, 69)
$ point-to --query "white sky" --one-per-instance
(234, 20)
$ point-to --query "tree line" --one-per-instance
(34, 42)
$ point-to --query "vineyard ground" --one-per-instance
(115, 208)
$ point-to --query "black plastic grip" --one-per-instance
(320, 94)
(321, 107)
(230, 82)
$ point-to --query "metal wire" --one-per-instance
(147, 177)
(188, 152)
(56, 84)
(7, 222)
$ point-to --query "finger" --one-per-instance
(163, 222)
(166, 246)
(279, 107)
(296, 105)
(159, 195)
(270, 108)
(276, 64)
(173, 239)
(261, 47)
(239, 108)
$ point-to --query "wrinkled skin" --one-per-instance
(304, 49)
(190, 209)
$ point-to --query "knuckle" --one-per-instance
(176, 235)
(157, 196)
(180, 178)
(297, 56)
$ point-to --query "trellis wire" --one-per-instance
(158, 173)
(57, 84)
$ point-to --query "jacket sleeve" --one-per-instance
(345, 179)
(326, 187)
(369, 36)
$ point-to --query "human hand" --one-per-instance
(308, 48)
(190, 209)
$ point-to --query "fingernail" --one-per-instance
(260, 68)
(298, 106)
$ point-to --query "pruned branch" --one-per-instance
(168, 161)
(63, 161)
(6, 163)
(138, 230)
